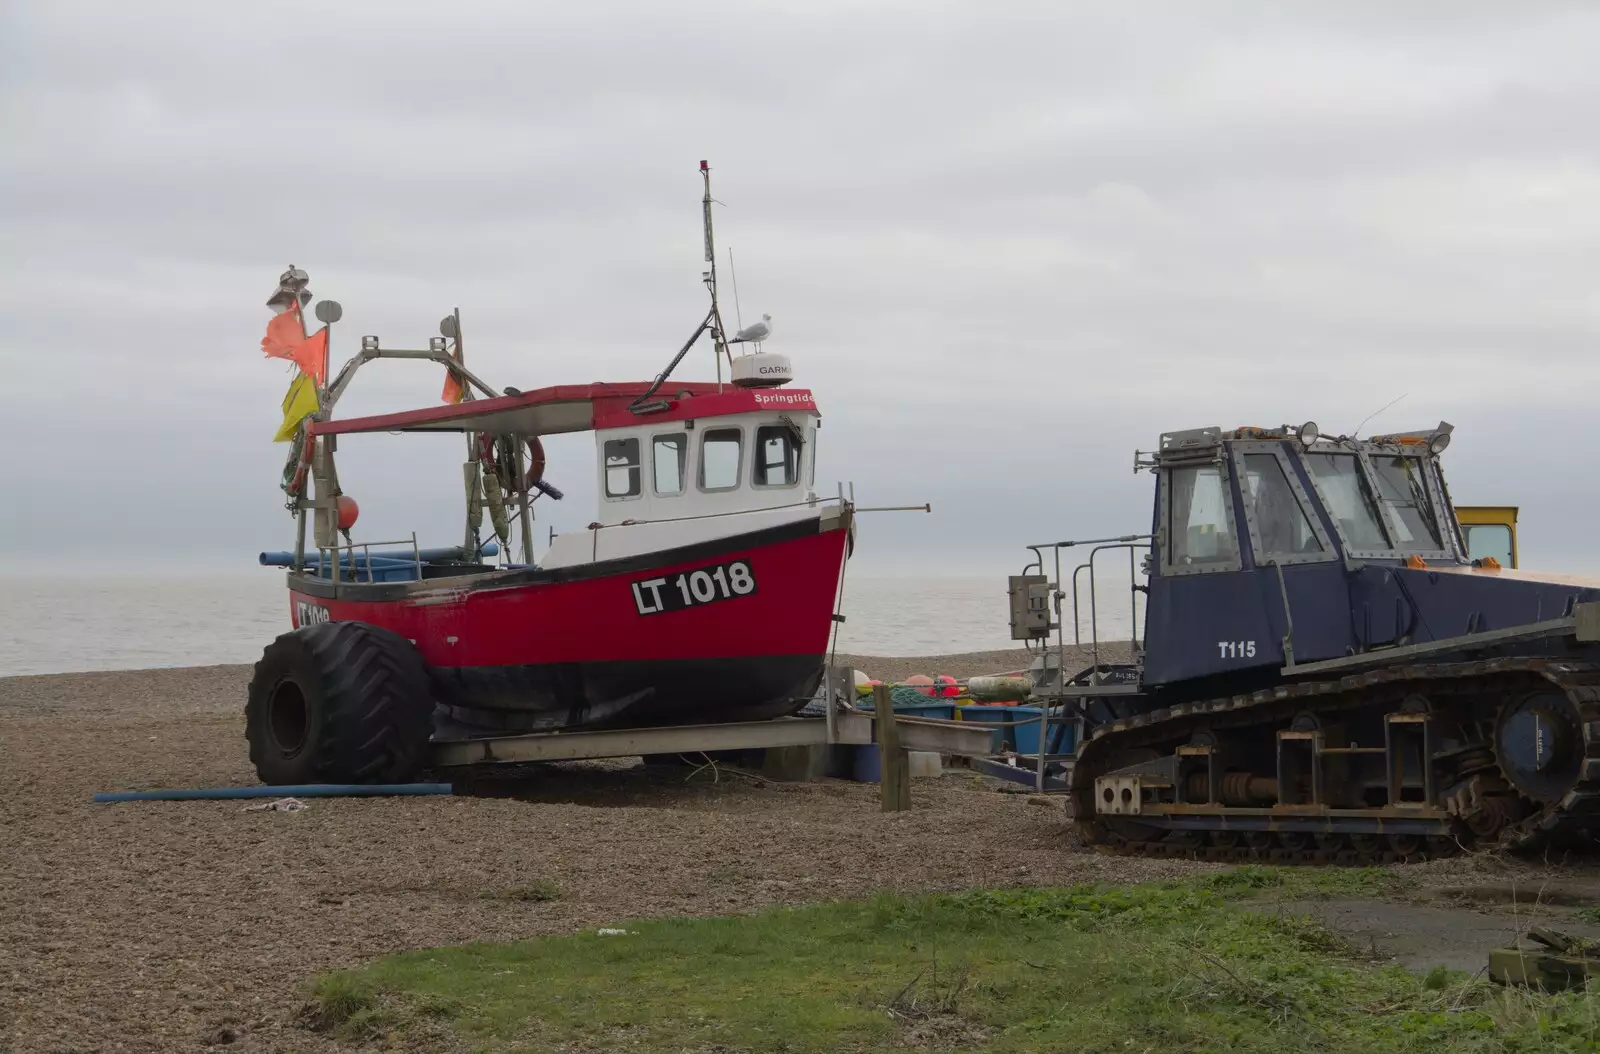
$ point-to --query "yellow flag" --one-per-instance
(301, 400)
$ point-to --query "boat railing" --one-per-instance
(333, 559)
(809, 503)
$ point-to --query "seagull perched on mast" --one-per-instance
(754, 333)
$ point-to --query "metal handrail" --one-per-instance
(1126, 541)
(336, 571)
(1094, 610)
(809, 503)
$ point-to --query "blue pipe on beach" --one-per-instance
(310, 790)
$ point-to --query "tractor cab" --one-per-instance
(1256, 529)
(1277, 553)
(1272, 547)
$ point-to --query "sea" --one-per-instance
(70, 624)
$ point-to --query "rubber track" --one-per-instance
(1575, 813)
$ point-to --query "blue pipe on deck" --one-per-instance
(310, 790)
(286, 559)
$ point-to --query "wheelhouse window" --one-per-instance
(1402, 486)
(777, 456)
(669, 456)
(1489, 539)
(1350, 502)
(721, 451)
(1197, 518)
(622, 468)
(1281, 524)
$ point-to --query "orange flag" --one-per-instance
(453, 388)
(286, 339)
(311, 355)
(283, 333)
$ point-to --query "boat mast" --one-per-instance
(712, 321)
(718, 337)
(450, 326)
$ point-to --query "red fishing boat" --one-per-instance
(704, 590)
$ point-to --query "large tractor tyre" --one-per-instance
(339, 702)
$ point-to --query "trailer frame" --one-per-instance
(841, 725)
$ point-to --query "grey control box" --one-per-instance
(1030, 607)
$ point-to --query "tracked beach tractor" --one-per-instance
(1325, 674)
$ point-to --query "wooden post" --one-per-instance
(894, 768)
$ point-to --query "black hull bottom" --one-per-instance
(501, 700)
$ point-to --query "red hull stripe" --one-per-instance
(781, 603)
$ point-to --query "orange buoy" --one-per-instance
(349, 511)
(947, 686)
(918, 681)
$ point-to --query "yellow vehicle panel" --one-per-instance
(1490, 530)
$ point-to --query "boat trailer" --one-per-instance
(840, 725)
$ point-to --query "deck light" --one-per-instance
(369, 343)
(1308, 433)
(435, 343)
(1440, 438)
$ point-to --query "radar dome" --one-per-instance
(763, 369)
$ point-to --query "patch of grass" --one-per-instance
(1148, 969)
(539, 891)
(1312, 883)
(346, 1005)
(1587, 914)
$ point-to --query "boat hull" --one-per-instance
(734, 628)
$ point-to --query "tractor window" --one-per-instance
(777, 456)
(622, 468)
(1197, 524)
(1489, 539)
(1349, 501)
(1402, 486)
(1282, 528)
(669, 454)
(719, 459)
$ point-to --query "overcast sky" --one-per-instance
(1006, 244)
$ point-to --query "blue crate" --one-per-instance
(989, 715)
(1025, 737)
(944, 711)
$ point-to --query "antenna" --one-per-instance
(719, 339)
(712, 321)
(738, 316)
(1376, 412)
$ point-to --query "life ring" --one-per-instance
(488, 447)
(299, 465)
(535, 460)
(492, 487)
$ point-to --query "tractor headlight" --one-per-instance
(1439, 441)
(1308, 433)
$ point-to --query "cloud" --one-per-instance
(1006, 244)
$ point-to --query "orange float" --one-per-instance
(349, 512)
